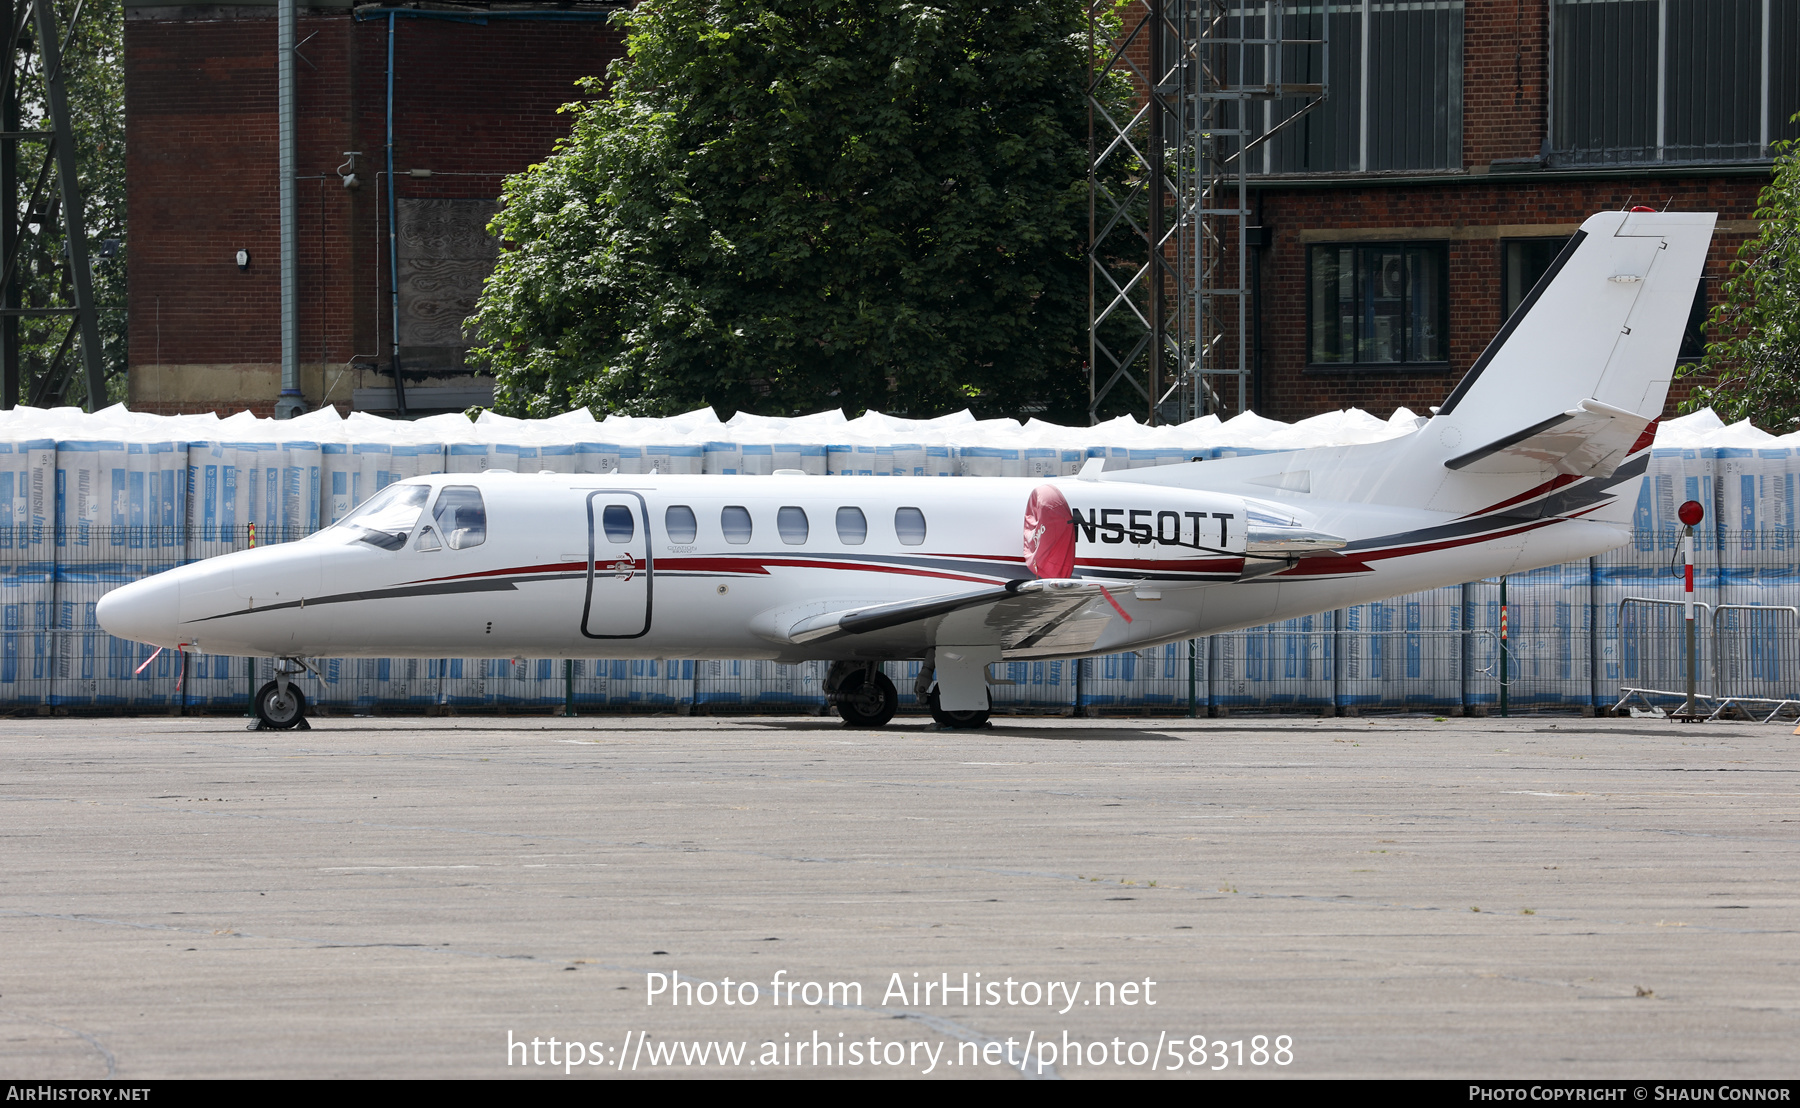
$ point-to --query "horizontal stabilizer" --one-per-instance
(1590, 440)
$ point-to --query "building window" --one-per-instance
(1522, 263)
(1636, 81)
(1377, 304)
(1404, 113)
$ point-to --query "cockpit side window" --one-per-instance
(461, 516)
(385, 519)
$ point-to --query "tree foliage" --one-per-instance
(1754, 364)
(783, 205)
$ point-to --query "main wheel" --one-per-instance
(959, 720)
(278, 711)
(867, 703)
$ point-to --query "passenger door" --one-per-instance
(620, 567)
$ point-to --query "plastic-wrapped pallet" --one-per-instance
(1550, 633)
(722, 458)
(746, 683)
(1755, 494)
(665, 458)
(27, 570)
(1033, 685)
(909, 459)
(597, 457)
(847, 459)
(120, 506)
(645, 684)
(219, 681)
(1278, 665)
(1052, 461)
(1155, 677)
(1404, 653)
(1145, 457)
(556, 457)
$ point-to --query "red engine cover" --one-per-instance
(1049, 533)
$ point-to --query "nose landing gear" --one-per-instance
(279, 704)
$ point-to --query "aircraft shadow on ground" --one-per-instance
(1002, 728)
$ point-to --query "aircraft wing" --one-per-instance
(1590, 440)
(1023, 618)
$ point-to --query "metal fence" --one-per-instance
(1579, 634)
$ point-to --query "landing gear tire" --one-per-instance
(278, 711)
(867, 702)
(958, 720)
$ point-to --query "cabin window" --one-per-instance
(387, 518)
(618, 524)
(461, 516)
(909, 526)
(680, 523)
(735, 522)
(853, 527)
(790, 524)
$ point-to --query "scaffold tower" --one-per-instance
(1172, 124)
(34, 77)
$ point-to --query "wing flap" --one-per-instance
(1043, 615)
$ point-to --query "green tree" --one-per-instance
(1754, 365)
(94, 75)
(784, 205)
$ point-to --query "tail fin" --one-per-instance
(1571, 387)
(1603, 325)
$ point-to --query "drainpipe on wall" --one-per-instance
(290, 403)
(393, 228)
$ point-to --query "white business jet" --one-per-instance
(1532, 460)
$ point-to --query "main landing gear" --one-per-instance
(279, 704)
(861, 693)
(957, 720)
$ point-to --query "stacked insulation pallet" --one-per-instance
(89, 502)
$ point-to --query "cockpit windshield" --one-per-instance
(385, 519)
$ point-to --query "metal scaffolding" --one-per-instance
(1170, 125)
(35, 37)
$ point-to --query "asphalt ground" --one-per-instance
(1535, 898)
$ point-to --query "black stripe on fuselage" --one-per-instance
(443, 588)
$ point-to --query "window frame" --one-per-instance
(1436, 365)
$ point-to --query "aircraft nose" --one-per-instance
(145, 611)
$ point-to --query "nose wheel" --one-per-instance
(279, 704)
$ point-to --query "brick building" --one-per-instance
(1400, 220)
(1411, 212)
(475, 94)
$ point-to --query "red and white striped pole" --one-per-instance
(1691, 513)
